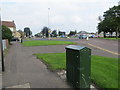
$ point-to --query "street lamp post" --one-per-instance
(48, 23)
(48, 16)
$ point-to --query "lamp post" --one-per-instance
(48, 17)
(49, 23)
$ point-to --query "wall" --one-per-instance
(5, 44)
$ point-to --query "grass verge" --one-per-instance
(5, 52)
(46, 42)
(109, 38)
(104, 70)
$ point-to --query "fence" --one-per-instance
(5, 44)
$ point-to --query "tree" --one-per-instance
(111, 21)
(45, 31)
(114, 14)
(54, 33)
(75, 31)
(27, 31)
(61, 33)
(72, 33)
(6, 33)
(106, 26)
(37, 35)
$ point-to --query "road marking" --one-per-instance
(104, 49)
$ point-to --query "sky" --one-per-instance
(63, 15)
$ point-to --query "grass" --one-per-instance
(109, 38)
(55, 61)
(46, 42)
(104, 70)
(5, 52)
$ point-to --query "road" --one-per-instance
(99, 47)
(110, 45)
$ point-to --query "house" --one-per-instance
(82, 33)
(17, 34)
(11, 25)
(107, 34)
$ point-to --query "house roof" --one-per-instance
(8, 23)
(82, 32)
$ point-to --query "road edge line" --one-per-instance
(104, 49)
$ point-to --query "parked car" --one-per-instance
(15, 39)
(91, 36)
(82, 36)
(63, 36)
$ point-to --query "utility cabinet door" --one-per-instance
(85, 67)
(72, 63)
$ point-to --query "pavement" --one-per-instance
(22, 67)
(0, 72)
(0, 76)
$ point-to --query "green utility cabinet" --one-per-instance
(78, 66)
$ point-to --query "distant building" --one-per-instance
(18, 35)
(107, 34)
(101, 34)
(11, 25)
(82, 33)
(119, 3)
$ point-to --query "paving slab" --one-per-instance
(62, 75)
(0, 75)
(0, 81)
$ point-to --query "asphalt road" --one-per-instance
(101, 47)
(111, 45)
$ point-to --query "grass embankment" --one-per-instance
(104, 70)
(45, 42)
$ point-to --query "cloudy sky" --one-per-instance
(65, 15)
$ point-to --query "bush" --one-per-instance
(6, 33)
